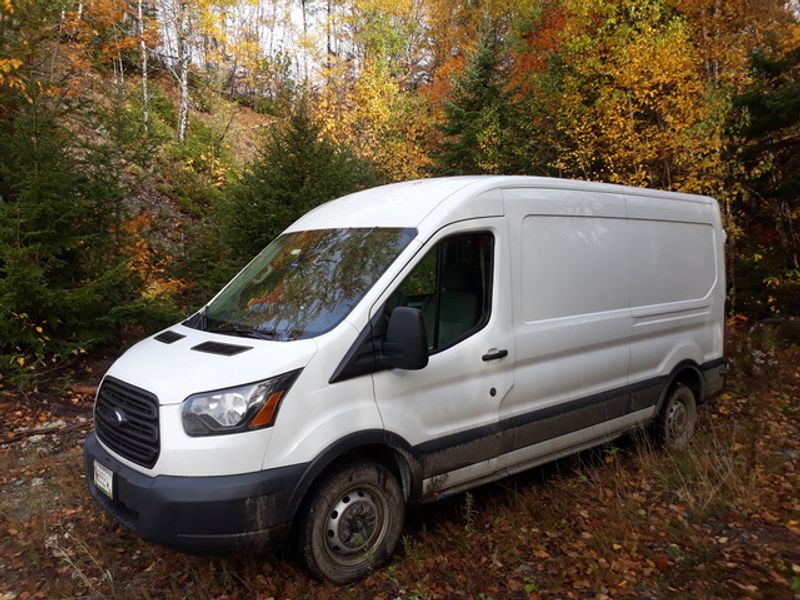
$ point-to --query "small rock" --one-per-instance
(525, 570)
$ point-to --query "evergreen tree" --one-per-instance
(476, 115)
(771, 153)
(296, 170)
(60, 278)
(65, 281)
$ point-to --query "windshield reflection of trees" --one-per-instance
(314, 281)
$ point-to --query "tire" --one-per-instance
(351, 522)
(675, 424)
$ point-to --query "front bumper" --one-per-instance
(197, 514)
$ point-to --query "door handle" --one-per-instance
(494, 355)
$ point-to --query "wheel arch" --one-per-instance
(377, 445)
(688, 373)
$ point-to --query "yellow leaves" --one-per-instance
(240, 47)
(8, 79)
(639, 113)
(395, 8)
(792, 41)
(7, 6)
(21, 361)
(380, 121)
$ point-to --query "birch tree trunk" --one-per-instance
(303, 8)
(328, 44)
(182, 43)
(272, 22)
(143, 49)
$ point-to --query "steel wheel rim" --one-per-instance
(356, 525)
(677, 420)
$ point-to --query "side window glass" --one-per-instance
(452, 287)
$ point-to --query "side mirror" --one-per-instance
(406, 345)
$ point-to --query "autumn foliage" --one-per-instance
(172, 126)
(148, 148)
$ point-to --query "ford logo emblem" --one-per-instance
(118, 417)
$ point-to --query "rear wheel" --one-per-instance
(675, 423)
(351, 523)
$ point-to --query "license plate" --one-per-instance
(104, 479)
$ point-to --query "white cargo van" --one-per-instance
(408, 342)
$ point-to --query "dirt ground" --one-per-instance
(718, 520)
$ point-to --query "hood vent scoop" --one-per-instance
(220, 348)
(169, 337)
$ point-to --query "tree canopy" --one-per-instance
(151, 147)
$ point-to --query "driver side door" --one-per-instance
(448, 411)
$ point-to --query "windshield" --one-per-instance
(304, 283)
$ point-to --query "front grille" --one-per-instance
(126, 420)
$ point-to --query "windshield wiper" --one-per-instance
(251, 333)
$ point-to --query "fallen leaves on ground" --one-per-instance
(721, 519)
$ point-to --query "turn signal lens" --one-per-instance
(266, 415)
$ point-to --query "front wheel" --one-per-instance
(675, 423)
(351, 522)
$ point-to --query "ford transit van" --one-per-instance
(408, 342)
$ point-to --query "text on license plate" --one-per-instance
(104, 479)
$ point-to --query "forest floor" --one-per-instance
(718, 520)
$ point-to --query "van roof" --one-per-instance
(407, 204)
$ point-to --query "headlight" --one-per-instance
(236, 409)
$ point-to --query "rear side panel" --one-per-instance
(677, 288)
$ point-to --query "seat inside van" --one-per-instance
(458, 310)
(462, 288)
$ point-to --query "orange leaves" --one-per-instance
(137, 223)
(538, 45)
(727, 32)
(435, 93)
(9, 65)
(145, 261)
(100, 33)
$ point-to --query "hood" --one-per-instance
(174, 368)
